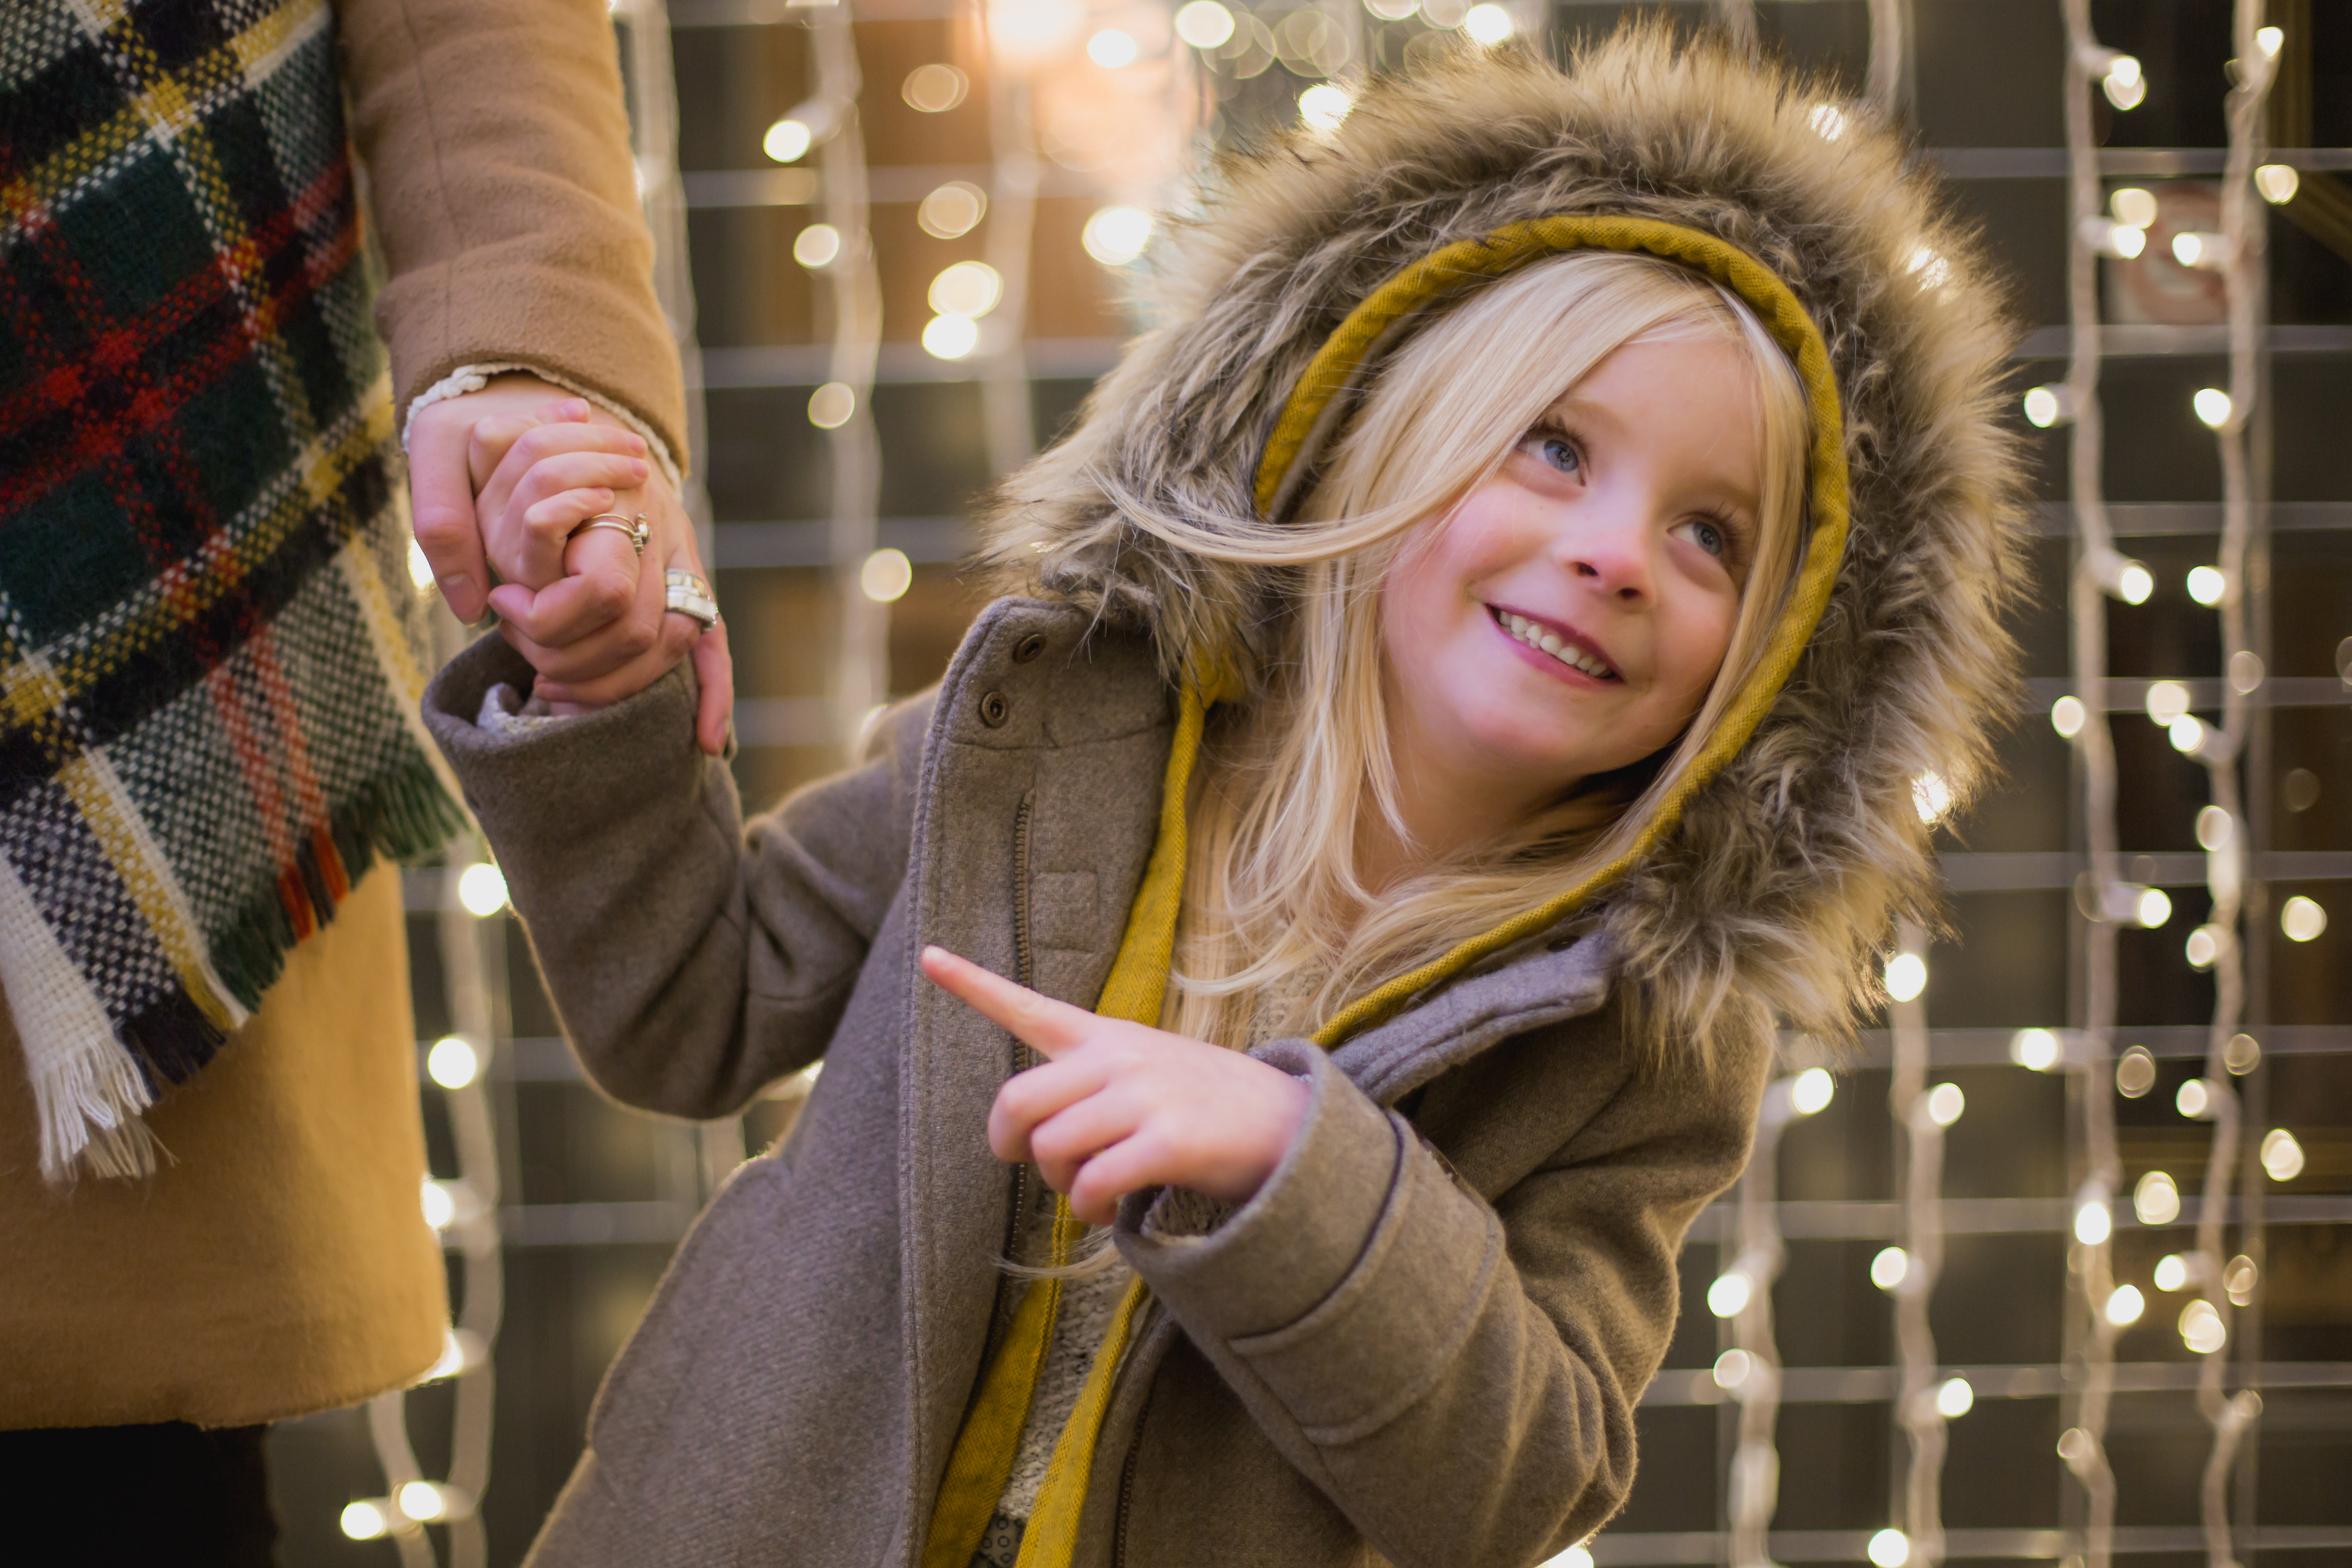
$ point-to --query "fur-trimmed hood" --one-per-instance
(1778, 886)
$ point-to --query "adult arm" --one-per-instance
(691, 960)
(497, 145)
(1456, 1370)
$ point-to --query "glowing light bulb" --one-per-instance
(2125, 241)
(422, 1500)
(886, 575)
(2171, 1272)
(2214, 828)
(2134, 583)
(1488, 24)
(2302, 919)
(2206, 584)
(1955, 1399)
(420, 570)
(819, 245)
(2238, 1280)
(440, 1208)
(1204, 23)
(452, 1062)
(1812, 1091)
(2194, 1100)
(1890, 1267)
(2156, 1199)
(2281, 1155)
(1323, 105)
(2093, 1224)
(830, 406)
(2067, 716)
(2277, 183)
(1890, 1549)
(2212, 407)
(1945, 1103)
(952, 211)
(2135, 1072)
(2046, 405)
(2133, 205)
(1733, 1368)
(1577, 1556)
(2241, 1055)
(2201, 1329)
(2270, 41)
(1112, 49)
(365, 1521)
(787, 141)
(934, 88)
(967, 289)
(2203, 948)
(2155, 906)
(2166, 701)
(1930, 796)
(1730, 1293)
(2034, 1048)
(2123, 84)
(2205, 252)
(2125, 1305)
(1828, 121)
(951, 337)
(1117, 235)
(1907, 976)
(2075, 1446)
(2245, 671)
(481, 889)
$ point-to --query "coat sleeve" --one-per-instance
(1459, 1376)
(496, 146)
(691, 960)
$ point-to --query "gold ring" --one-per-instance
(635, 528)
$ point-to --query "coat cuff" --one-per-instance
(1272, 1260)
(1347, 1285)
(596, 763)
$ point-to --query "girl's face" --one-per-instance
(1569, 617)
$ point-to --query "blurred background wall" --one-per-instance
(1960, 1309)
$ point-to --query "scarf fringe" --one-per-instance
(90, 1102)
(90, 1105)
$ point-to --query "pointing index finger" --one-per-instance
(1051, 1027)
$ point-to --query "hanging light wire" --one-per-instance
(1916, 1409)
(2242, 238)
(2083, 1446)
(1755, 1471)
(861, 661)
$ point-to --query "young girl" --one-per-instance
(1469, 671)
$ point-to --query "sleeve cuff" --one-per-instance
(469, 378)
(1280, 1255)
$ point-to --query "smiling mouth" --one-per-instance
(1546, 639)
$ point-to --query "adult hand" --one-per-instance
(609, 627)
(1118, 1107)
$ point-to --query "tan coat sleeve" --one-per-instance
(497, 147)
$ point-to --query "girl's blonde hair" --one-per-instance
(1278, 931)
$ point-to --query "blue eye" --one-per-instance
(1709, 538)
(1562, 454)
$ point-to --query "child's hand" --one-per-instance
(579, 603)
(1118, 1107)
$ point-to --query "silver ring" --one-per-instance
(690, 597)
(635, 528)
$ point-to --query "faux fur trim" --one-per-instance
(1777, 891)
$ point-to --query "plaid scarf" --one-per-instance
(209, 665)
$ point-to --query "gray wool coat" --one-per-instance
(1420, 1343)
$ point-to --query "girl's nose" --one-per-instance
(1609, 550)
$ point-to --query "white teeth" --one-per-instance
(1537, 636)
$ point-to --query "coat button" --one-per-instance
(995, 710)
(1029, 647)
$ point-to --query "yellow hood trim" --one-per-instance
(1341, 361)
